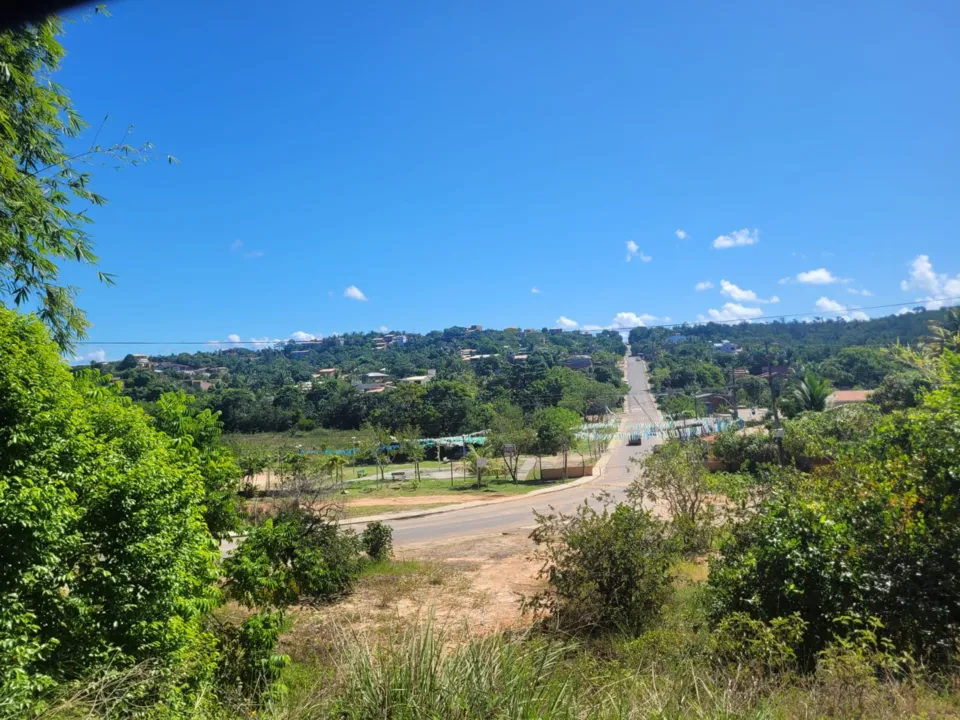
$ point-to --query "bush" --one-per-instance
(763, 647)
(607, 570)
(873, 536)
(740, 450)
(249, 665)
(290, 558)
(377, 540)
(104, 550)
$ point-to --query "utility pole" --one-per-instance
(777, 429)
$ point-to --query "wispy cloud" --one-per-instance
(253, 254)
(741, 295)
(535, 290)
(233, 337)
(354, 293)
(703, 285)
(633, 250)
(236, 245)
(681, 234)
(566, 323)
(861, 291)
(731, 312)
(738, 238)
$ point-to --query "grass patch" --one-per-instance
(369, 487)
(365, 510)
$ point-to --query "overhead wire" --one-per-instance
(731, 321)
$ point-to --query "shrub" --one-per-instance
(677, 477)
(377, 540)
(764, 647)
(872, 536)
(292, 557)
(104, 550)
(248, 665)
(607, 570)
(740, 450)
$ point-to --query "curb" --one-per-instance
(598, 469)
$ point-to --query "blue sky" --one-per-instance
(445, 159)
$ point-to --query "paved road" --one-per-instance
(502, 517)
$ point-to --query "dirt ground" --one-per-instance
(420, 499)
(466, 588)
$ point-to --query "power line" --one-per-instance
(733, 321)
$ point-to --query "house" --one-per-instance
(420, 379)
(305, 386)
(474, 328)
(171, 367)
(847, 397)
(466, 353)
(380, 344)
(325, 373)
(578, 362)
(740, 372)
(143, 361)
(556, 331)
(201, 385)
(370, 387)
(377, 377)
(677, 339)
(471, 358)
(727, 347)
(518, 358)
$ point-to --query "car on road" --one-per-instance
(634, 440)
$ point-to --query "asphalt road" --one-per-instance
(516, 514)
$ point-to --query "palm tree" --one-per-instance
(945, 335)
(813, 391)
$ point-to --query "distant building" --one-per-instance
(376, 376)
(325, 373)
(474, 328)
(466, 353)
(420, 379)
(677, 339)
(171, 367)
(578, 362)
(143, 361)
(519, 358)
(556, 331)
(727, 347)
(370, 387)
(847, 397)
(201, 385)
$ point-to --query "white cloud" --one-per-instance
(535, 290)
(236, 245)
(233, 337)
(630, 320)
(253, 254)
(738, 238)
(825, 304)
(383, 329)
(942, 289)
(99, 355)
(566, 323)
(903, 311)
(354, 293)
(703, 285)
(741, 295)
(731, 312)
(859, 315)
(862, 291)
(681, 234)
(820, 276)
(633, 250)
(593, 328)
(265, 340)
(301, 336)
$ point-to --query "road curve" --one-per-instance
(508, 516)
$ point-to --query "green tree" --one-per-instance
(510, 427)
(42, 186)
(812, 392)
(105, 552)
(412, 448)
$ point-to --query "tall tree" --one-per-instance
(812, 392)
(42, 183)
